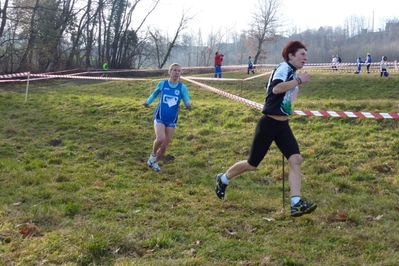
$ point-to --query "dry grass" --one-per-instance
(75, 189)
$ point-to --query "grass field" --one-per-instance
(76, 190)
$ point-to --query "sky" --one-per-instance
(214, 15)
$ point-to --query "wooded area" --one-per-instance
(51, 35)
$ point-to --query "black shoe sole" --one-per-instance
(307, 211)
(218, 181)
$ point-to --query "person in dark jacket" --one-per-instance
(368, 62)
(250, 66)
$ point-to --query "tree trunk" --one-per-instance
(3, 18)
(26, 58)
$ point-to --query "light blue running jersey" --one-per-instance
(171, 94)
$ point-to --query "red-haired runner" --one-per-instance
(273, 125)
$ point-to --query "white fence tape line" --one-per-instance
(223, 93)
(299, 112)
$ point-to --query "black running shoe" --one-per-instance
(220, 187)
(302, 208)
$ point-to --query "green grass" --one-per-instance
(75, 188)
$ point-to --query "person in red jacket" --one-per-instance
(218, 65)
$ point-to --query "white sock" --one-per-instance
(295, 200)
(224, 179)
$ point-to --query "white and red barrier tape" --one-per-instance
(226, 94)
(71, 76)
(81, 77)
(230, 96)
(15, 75)
(296, 112)
(348, 114)
(349, 64)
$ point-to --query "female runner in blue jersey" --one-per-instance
(281, 91)
(166, 112)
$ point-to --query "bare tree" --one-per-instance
(213, 44)
(188, 49)
(26, 58)
(53, 19)
(45, 35)
(265, 22)
(159, 43)
(119, 39)
(355, 24)
(162, 54)
(7, 37)
(3, 14)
